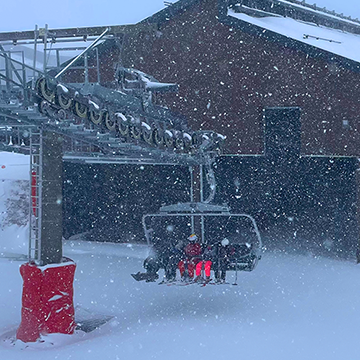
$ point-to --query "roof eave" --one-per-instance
(311, 50)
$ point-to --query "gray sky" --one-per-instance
(24, 14)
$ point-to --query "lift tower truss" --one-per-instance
(53, 121)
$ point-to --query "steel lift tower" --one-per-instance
(52, 119)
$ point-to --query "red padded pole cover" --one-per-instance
(47, 300)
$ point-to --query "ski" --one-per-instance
(137, 276)
(216, 283)
(176, 283)
(204, 283)
(167, 282)
(145, 276)
(185, 283)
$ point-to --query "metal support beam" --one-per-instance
(79, 32)
(202, 223)
(36, 33)
(358, 214)
(51, 216)
(191, 169)
(82, 53)
(201, 184)
(36, 150)
(45, 235)
(10, 68)
(45, 48)
(197, 223)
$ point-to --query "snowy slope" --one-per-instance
(14, 175)
(290, 307)
(14, 166)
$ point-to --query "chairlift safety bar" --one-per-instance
(202, 214)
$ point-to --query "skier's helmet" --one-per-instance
(225, 242)
(192, 237)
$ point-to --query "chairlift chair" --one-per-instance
(174, 223)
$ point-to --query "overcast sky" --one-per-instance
(24, 14)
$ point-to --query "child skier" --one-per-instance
(192, 252)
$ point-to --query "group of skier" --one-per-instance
(193, 260)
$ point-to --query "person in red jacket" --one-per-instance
(192, 252)
(206, 262)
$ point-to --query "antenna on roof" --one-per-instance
(167, 3)
(306, 36)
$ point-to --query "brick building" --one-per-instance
(281, 80)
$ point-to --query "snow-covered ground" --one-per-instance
(14, 173)
(289, 307)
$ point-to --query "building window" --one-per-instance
(345, 124)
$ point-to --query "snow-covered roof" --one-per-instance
(332, 40)
(316, 10)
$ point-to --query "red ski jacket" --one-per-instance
(192, 250)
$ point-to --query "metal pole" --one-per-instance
(36, 152)
(86, 65)
(357, 177)
(236, 273)
(45, 47)
(8, 72)
(82, 53)
(201, 184)
(24, 79)
(36, 35)
(51, 197)
(58, 63)
(191, 169)
(40, 195)
(31, 198)
(97, 65)
(201, 200)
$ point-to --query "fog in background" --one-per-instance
(24, 14)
